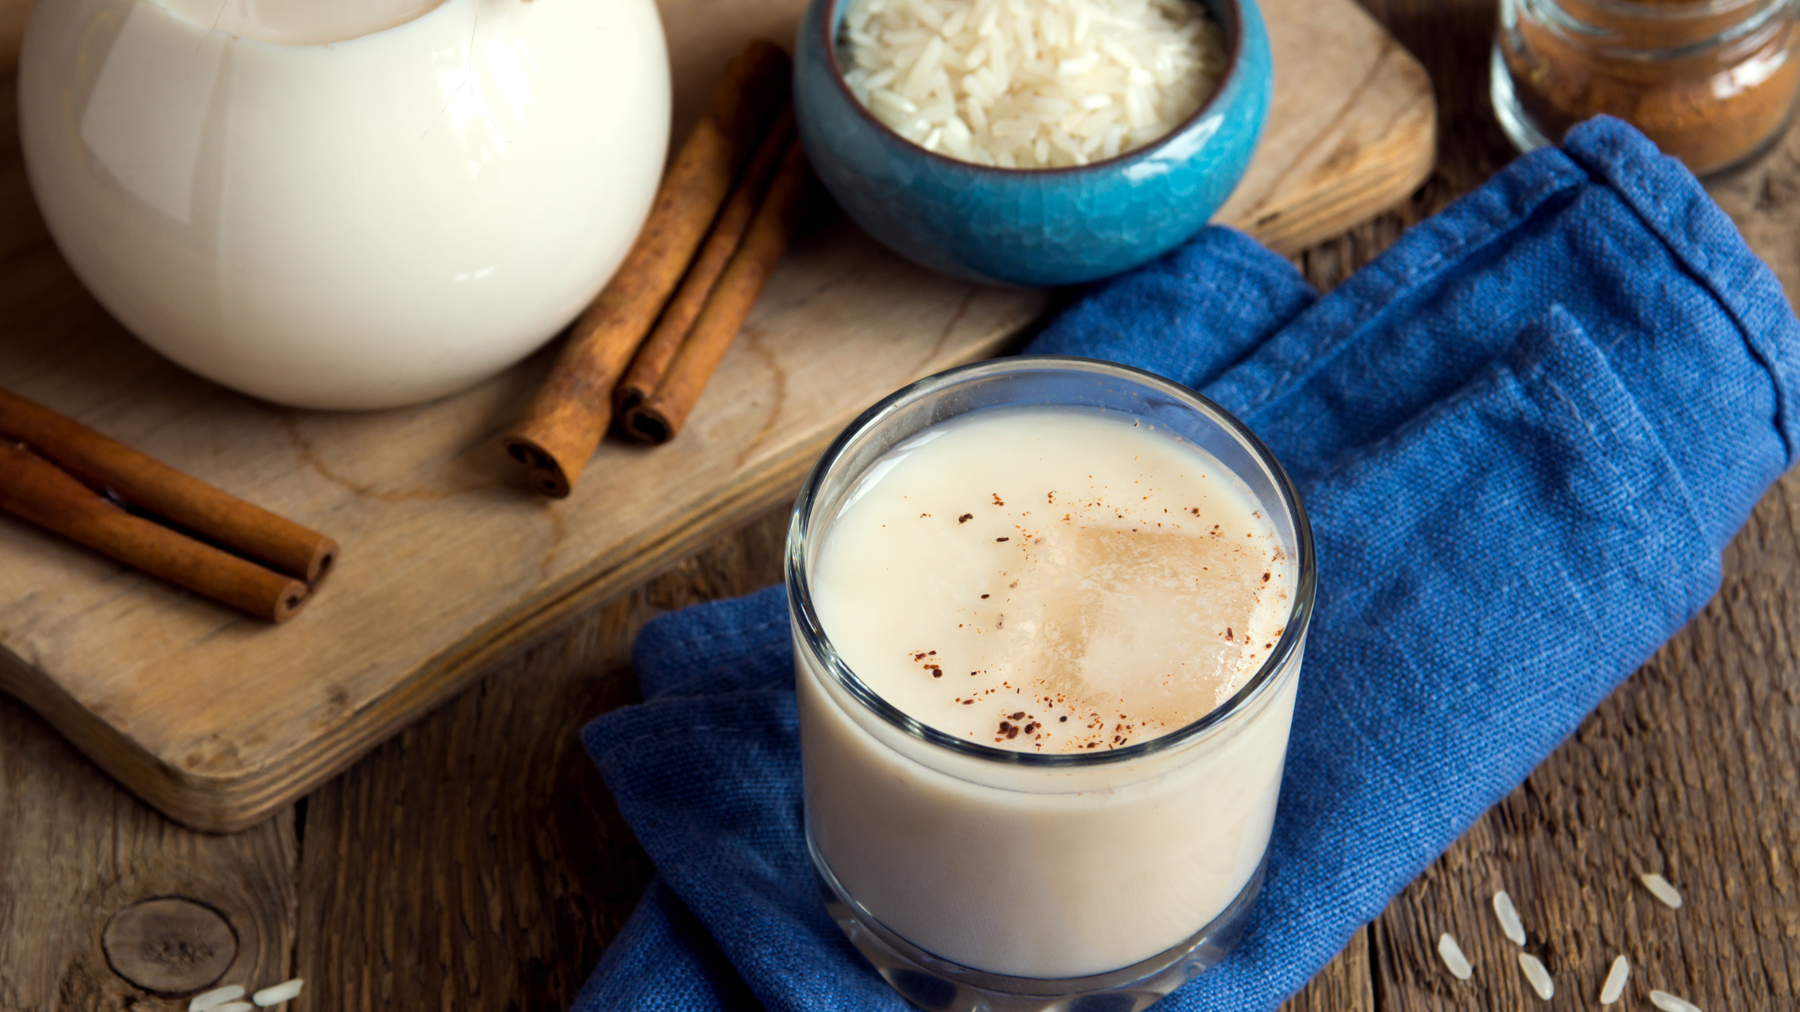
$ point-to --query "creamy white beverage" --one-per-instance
(344, 203)
(1052, 581)
(1056, 582)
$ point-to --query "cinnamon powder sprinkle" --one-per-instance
(965, 518)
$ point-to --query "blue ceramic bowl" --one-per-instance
(1031, 226)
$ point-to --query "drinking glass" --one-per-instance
(974, 877)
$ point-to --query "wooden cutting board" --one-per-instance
(448, 562)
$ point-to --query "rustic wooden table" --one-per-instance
(474, 862)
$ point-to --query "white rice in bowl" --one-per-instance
(1031, 84)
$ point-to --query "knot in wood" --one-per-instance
(169, 945)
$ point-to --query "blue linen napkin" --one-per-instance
(1524, 434)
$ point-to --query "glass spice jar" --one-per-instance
(1710, 81)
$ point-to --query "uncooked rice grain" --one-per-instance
(1453, 957)
(1539, 977)
(287, 990)
(214, 998)
(1615, 981)
(1509, 918)
(1029, 84)
(1669, 1003)
(1661, 889)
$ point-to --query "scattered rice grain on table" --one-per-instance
(1661, 889)
(1027, 84)
(1670, 1003)
(1537, 975)
(1509, 918)
(1615, 981)
(1453, 957)
(214, 998)
(287, 990)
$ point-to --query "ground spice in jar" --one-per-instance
(1710, 81)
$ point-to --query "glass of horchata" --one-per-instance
(1048, 616)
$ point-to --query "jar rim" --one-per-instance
(1577, 27)
(810, 630)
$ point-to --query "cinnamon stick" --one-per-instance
(571, 411)
(653, 359)
(38, 491)
(115, 470)
(661, 415)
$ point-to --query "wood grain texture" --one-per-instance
(476, 861)
(169, 945)
(1352, 128)
(75, 849)
(448, 564)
